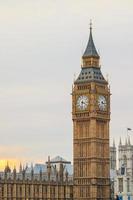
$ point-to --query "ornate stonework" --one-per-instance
(91, 116)
(51, 182)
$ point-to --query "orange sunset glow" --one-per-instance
(11, 163)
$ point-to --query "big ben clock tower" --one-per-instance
(91, 116)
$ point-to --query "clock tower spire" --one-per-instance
(91, 116)
(90, 56)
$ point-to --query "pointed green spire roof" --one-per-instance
(90, 49)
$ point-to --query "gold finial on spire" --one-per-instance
(90, 24)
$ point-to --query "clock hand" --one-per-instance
(83, 104)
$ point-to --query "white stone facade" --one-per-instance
(122, 178)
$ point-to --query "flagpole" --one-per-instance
(127, 132)
(128, 135)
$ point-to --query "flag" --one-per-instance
(129, 129)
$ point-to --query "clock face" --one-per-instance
(102, 103)
(82, 102)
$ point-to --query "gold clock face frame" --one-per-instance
(102, 103)
(82, 102)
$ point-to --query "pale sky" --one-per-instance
(41, 44)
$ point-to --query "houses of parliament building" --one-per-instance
(90, 179)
